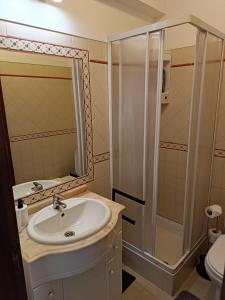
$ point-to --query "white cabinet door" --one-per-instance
(114, 269)
(49, 291)
(91, 285)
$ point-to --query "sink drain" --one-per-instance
(69, 233)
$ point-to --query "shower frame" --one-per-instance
(188, 205)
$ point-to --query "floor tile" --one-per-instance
(143, 289)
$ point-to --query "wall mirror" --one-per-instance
(47, 106)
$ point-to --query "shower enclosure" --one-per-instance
(164, 89)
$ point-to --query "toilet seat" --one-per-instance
(215, 260)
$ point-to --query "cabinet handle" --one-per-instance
(115, 247)
(51, 294)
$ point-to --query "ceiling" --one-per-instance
(147, 10)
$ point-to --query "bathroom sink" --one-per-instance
(80, 219)
(25, 189)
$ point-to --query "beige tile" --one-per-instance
(100, 119)
(175, 115)
(220, 137)
(29, 110)
(217, 197)
(183, 55)
(101, 184)
(97, 49)
(44, 158)
(205, 146)
(175, 128)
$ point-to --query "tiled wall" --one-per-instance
(174, 137)
(173, 127)
(205, 148)
(174, 131)
(99, 97)
(218, 179)
(42, 135)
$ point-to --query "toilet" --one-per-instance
(215, 263)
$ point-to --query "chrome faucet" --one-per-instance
(37, 186)
(57, 203)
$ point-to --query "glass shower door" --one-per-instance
(128, 103)
(154, 72)
(208, 106)
(178, 63)
(135, 113)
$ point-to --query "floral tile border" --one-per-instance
(173, 146)
(101, 157)
(39, 135)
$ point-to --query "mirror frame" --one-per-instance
(37, 47)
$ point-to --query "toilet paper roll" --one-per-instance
(213, 211)
(213, 235)
(24, 215)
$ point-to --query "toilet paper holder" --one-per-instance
(214, 211)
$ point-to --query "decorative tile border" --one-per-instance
(34, 76)
(101, 157)
(173, 146)
(39, 135)
(28, 46)
(190, 64)
(182, 147)
(182, 65)
(18, 44)
(167, 145)
(97, 61)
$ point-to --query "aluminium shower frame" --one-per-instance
(152, 28)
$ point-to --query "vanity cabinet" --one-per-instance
(89, 285)
(114, 268)
(52, 290)
(93, 272)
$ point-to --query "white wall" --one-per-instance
(180, 36)
(145, 9)
(85, 18)
(212, 12)
(96, 20)
(157, 4)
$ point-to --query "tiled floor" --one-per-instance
(141, 289)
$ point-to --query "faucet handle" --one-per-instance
(57, 203)
(57, 197)
(37, 186)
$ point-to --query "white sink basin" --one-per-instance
(82, 218)
(25, 189)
